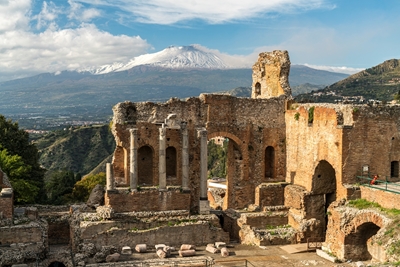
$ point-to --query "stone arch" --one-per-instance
(269, 162)
(324, 179)
(357, 241)
(235, 168)
(145, 165)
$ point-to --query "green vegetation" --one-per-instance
(19, 160)
(311, 114)
(297, 116)
(381, 82)
(217, 156)
(365, 204)
(79, 150)
(84, 187)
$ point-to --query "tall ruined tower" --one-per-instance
(271, 75)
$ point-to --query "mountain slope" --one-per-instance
(79, 150)
(380, 82)
(171, 57)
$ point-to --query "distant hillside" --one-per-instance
(84, 93)
(381, 83)
(79, 150)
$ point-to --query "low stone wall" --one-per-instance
(270, 194)
(385, 199)
(174, 233)
(147, 200)
(26, 233)
(264, 219)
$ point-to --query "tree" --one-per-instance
(15, 142)
(84, 187)
(16, 170)
(59, 187)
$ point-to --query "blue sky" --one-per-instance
(48, 36)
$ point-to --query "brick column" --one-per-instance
(133, 159)
(162, 173)
(185, 157)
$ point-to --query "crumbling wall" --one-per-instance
(235, 118)
(374, 140)
(270, 75)
(147, 200)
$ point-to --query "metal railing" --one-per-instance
(380, 184)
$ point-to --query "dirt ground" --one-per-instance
(241, 255)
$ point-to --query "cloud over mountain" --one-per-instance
(35, 43)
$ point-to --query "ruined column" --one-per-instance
(133, 159)
(110, 183)
(204, 204)
(202, 134)
(162, 171)
(185, 157)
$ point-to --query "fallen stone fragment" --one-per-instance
(187, 253)
(161, 253)
(220, 245)
(188, 247)
(212, 249)
(113, 257)
(141, 248)
(224, 252)
(159, 246)
(126, 250)
(167, 251)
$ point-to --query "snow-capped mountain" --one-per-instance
(171, 57)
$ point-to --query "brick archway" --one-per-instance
(234, 169)
(357, 237)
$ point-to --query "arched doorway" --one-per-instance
(56, 264)
(225, 159)
(269, 162)
(356, 243)
(324, 183)
(145, 165)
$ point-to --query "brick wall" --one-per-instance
(6, 206)
(147, 200)
(385, 199)
(270, 194)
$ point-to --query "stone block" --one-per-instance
(187, 253)
(141, 248)
(224, 252)
(204, 207)
(113, 257)
(187, 247)
(126, 250)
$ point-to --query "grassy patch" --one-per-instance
(365, 204)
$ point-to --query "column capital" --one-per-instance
(201, 133)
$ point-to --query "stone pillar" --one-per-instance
(204, 204)
(185, 157)
(133, 159)
(162, 171)
(110, 183)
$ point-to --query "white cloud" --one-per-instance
(77, 11)
(13, 15)
(211, 11)
(346, 70)
(24, 52)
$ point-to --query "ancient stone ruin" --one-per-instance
(291, 168)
